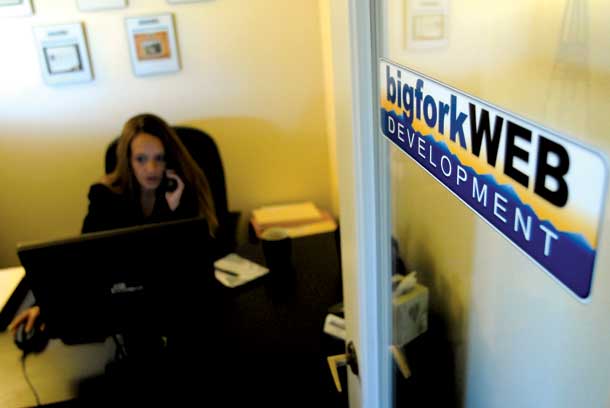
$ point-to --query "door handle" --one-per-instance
(401, 361)
(349, 358)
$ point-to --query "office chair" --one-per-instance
(204, 151)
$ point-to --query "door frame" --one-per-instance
(368, 307)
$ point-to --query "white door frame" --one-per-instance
(368, 307)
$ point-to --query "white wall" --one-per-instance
(251, 76)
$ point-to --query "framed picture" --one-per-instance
(152, 44)
(182, 1)
(428, 27)
(94, 5)
(64, 57)
(426, 24)
(15, 8)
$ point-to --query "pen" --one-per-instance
(227, 272)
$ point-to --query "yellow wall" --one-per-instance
(251, 76)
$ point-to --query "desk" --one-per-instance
(274, 325)
(270, 349)
(261, 343)
(56, 374)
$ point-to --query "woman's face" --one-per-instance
(147, 160)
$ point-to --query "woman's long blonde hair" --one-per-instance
(123, 180)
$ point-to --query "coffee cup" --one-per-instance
(277, 249)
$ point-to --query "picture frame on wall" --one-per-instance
(183, 1)
(426, 24)
(63, 53)
(94, 5)
(152, 44)
(16, 8)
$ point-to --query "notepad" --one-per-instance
(234, 270)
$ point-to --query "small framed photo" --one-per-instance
(152, 44)
(428, 27)
(64, 56)
(94, 5)
(182, 1)
(15, 8)
(426, 24)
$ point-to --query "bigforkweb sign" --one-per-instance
(542, 191)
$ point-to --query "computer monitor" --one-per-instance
(99, 284)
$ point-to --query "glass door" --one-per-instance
(495, 326)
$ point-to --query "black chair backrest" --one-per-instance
(204, 151)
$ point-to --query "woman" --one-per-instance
(149, 155)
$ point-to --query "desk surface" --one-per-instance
(272, 341)
(284, 311)
(55, 373)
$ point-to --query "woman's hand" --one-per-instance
(173, 197)
(29, 316)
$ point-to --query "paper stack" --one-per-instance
(12, 293)
(9, 279)
(297, 219)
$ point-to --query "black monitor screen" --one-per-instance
(98, 284)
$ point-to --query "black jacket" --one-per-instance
(109, 210)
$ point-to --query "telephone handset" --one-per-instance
(169, 184)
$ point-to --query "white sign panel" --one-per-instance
(15, 8)
(63, 53)
(152, 43)
(542, 191)
(94, 5)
